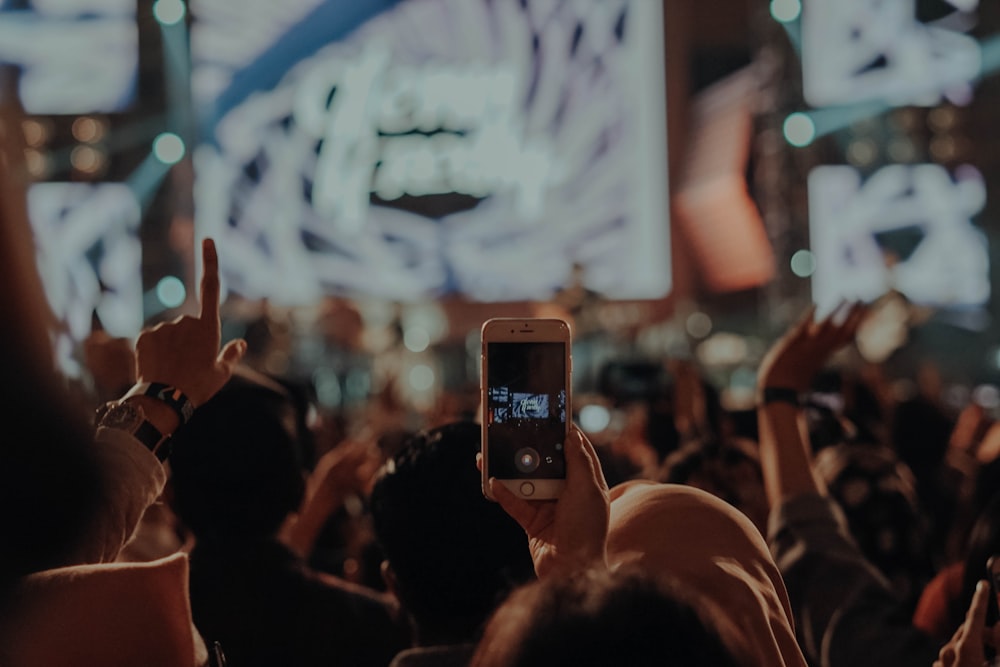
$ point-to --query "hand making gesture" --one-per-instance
(184, 353)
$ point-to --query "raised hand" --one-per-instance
(966, 647)
(184, 353)
(795, 359)
(569, 533)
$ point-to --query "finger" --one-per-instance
(232, 354)
(209, 282)
(479, 461)
(591, 453)
(522, 511)
(804, 323)
(975, 618)
(579, 467)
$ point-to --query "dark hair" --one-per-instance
(603, 618)
(235, 467)
(50, 476)
(454, 553)
(728, 469)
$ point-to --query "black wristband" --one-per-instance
(169, 395)
(779, 395)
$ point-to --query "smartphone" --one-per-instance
(526, 393)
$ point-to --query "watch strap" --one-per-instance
(132, 420)
(172, 396)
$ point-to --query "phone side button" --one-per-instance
(527, 489)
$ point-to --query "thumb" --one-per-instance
(232, 353)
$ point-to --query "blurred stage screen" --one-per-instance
(417, 149)
(898, 203)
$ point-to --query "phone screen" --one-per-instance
(526, 409)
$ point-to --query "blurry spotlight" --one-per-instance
(803, 263)
(799, 129)
(35, 132)
(37, 163)
(87, 129)
(168, 148)
(862, 152)
(786, 11)
(327, 386)
(170, 291)
(698, 325)
(421, 377)
(416, 339)
(942, 119)
(169, 12)
(902, 150)
(987, 396)
(944, 148)
(87, 159)
(594, 418)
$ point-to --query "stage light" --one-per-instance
(594, 418)
(169, 12)
(803, 263)
(168, 148)
(421, 377)
(35, 133)
(786, 11)
(862, 152)
(416, 339)
(799, 129)
(902, 150)
(171, 292)
(87, 130)
(698, 325)
(87, 159)
(327, 387)
(944, 148)
(37, 163)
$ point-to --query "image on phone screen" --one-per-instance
(526, 409)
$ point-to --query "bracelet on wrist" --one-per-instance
(131, 419)
(770, 395)
(172, 396)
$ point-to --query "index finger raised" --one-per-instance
(209, 282)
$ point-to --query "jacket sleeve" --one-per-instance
(846, 614)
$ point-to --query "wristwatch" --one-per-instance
(129, 417)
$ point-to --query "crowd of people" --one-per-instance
(200, 518)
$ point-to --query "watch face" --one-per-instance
(125, 416)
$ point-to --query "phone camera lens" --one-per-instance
(526, 459)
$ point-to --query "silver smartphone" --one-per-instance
(526, 401)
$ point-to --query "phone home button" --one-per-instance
(527, 489)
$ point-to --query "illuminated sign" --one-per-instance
(862, 50)
(907, 227)
(87, 241)
(442, 146)
(74, 56)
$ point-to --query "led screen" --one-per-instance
(409, 150)
(72, 56)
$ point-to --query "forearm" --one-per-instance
(785, 457)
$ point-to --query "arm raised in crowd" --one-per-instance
(182, 356)
(785, 373)
(845, 611)
(570, 533)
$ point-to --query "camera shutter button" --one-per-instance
(527, 489)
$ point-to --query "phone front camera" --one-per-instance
(527, 459)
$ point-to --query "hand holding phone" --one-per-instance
(571, 533)
(525, 394)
